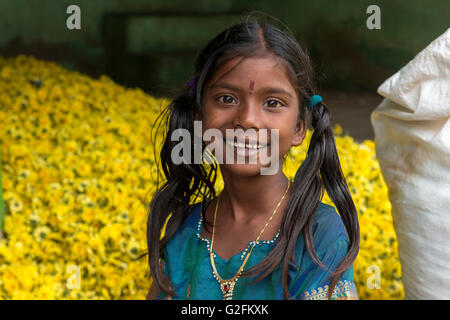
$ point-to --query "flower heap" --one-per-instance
(78, 174)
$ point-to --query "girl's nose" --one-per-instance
(248, 115)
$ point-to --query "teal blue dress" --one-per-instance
(187, 264)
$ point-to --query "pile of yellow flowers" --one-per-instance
(78, 173)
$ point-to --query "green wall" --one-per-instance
(152, 43)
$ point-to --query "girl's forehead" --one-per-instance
(250, 72)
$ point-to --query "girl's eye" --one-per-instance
(226, 99)
(274, 105)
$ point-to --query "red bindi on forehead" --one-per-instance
(252, 85)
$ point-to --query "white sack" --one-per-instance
(412, 140)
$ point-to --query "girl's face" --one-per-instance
(256, 94)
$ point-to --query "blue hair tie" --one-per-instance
(314, 100)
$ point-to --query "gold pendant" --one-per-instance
(227, 287)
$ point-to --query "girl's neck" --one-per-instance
(244, 199)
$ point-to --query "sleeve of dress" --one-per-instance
(319, 279)
(310, 281)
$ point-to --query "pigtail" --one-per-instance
(323, 149)
(181, 182)
(320, 169)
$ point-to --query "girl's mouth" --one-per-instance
(246, 149)
(247, 145)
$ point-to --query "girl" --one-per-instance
(263, 236)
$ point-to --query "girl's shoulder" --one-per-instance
(328, 232)
(327, 220)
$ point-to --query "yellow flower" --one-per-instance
(71, 146)
(113, 232)
(6, 72)
(83, 169)
(23, 295)
(96, 243)
(337, 130)
(46, 292)
(10, 282)
(133, 249)
(18, 151)
(88, 214)
(5, 252)
(16, 205)
(82, 237)
(78, 251)
(40, 233)
(7, 183)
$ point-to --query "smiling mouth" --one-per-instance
(247, 145)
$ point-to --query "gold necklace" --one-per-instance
(227, 285)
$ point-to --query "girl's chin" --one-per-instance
(248, 169)
(241, 169)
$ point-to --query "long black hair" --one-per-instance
(184, 183)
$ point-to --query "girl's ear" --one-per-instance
(300, 133)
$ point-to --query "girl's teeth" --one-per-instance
(249, 146)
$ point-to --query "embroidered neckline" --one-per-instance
(244, 252)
